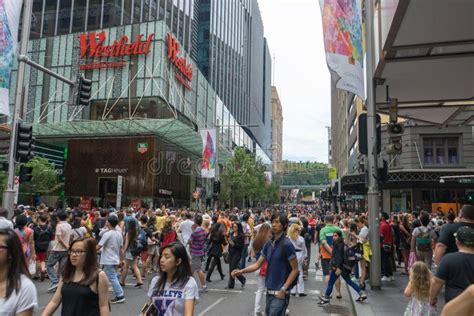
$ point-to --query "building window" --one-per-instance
(441, 150)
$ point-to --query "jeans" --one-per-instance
(276, 306)
(53, 258)
(386, 263)
(259, 293)
(346, 276)
(111, 271)
(245, 254)
(234, 259)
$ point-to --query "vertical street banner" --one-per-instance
(208, 159)
(342, 32)
(10, 11)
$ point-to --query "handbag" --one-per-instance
(263, 269)
(412, 259)
(149, 310)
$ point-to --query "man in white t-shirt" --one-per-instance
(186, 228)
(4, 222)
(111, 245)
(59, 251)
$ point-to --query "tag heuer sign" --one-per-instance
(142, 148)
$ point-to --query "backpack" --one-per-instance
(350, 258)
(423, 241)
(43, 238)
(139, 244)
(24, 236)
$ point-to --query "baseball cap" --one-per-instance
(465, 235)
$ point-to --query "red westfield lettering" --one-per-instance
(92, 44)
(180, 62)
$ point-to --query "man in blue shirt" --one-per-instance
(282, 268)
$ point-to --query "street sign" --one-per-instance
(466, 181)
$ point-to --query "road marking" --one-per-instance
(224, 291)
(211, 306)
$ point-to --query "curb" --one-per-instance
(357, 307)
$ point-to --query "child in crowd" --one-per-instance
(418, 288)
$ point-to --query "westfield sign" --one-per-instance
(92, 46)
(185, 70)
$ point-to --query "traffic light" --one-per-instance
(216, 187)
(362, 134)
(24, 142)
(395, 130)
(84, 89)
(470, 197)
(383, 172)
(25, 173)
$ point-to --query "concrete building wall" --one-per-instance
(277, 132)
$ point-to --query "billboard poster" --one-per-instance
(9, 20)
(342, 32)
(208, 158)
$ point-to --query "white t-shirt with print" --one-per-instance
(22, 301)
(170, 301)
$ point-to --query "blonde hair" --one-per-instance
(420, 280)
(294, 231)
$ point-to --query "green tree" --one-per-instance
(243, 180)
(44, 178)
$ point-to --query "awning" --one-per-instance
(428, 60)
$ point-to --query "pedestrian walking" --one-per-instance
(341, 266)
(326, 242)
(386, 234)
(27, 241)
(131, 254)
(17, 292)
(418, 290)
(282, 267)
(236, 244)
(83, 288)
(174, 292)
(264, 234)
(111, 245)
(218, 242)
(422, 239)
(196, 248)
(58, 253)
(301, 254)
(43, 235)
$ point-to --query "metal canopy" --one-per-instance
(428, 62)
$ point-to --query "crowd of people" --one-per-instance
(82, 253)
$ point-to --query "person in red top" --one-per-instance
(386, 236)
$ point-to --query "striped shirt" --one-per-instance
(198, 238)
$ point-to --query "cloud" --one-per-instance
(294, 32)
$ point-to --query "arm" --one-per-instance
(326, 246)
(291, 277)
(55, 301)
(436, 285)
(413, 243)
(408, 291)
(32, 246)
(440, 250)
(461, 305)
(189, 307)
(251, 268)
(103, 291)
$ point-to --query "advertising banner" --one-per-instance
(208, 159)
(9, 20)
(342, 31)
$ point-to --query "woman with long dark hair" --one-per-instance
(174, 291)
(17, 291)
(83, 288)
(264, 234)
(236, 246)
(130, 239)
(215, 250)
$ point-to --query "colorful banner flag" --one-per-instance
(208, 161)
(10, 11)
(342, 31)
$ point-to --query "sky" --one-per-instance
(293, 29)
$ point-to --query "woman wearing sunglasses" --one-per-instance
(83, 289)
(17, 291)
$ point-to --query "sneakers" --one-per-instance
(361, 298)
(117, 300)
(138, 285)
(324, 300)
(52, 288)
(385, 279)
(204, 289)
(392, 278)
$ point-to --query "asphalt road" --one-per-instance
(219, 301)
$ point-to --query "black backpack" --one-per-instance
(43, 239)
(350, 258)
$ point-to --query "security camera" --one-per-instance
(441, 181)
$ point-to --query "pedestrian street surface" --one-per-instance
(220, 301)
